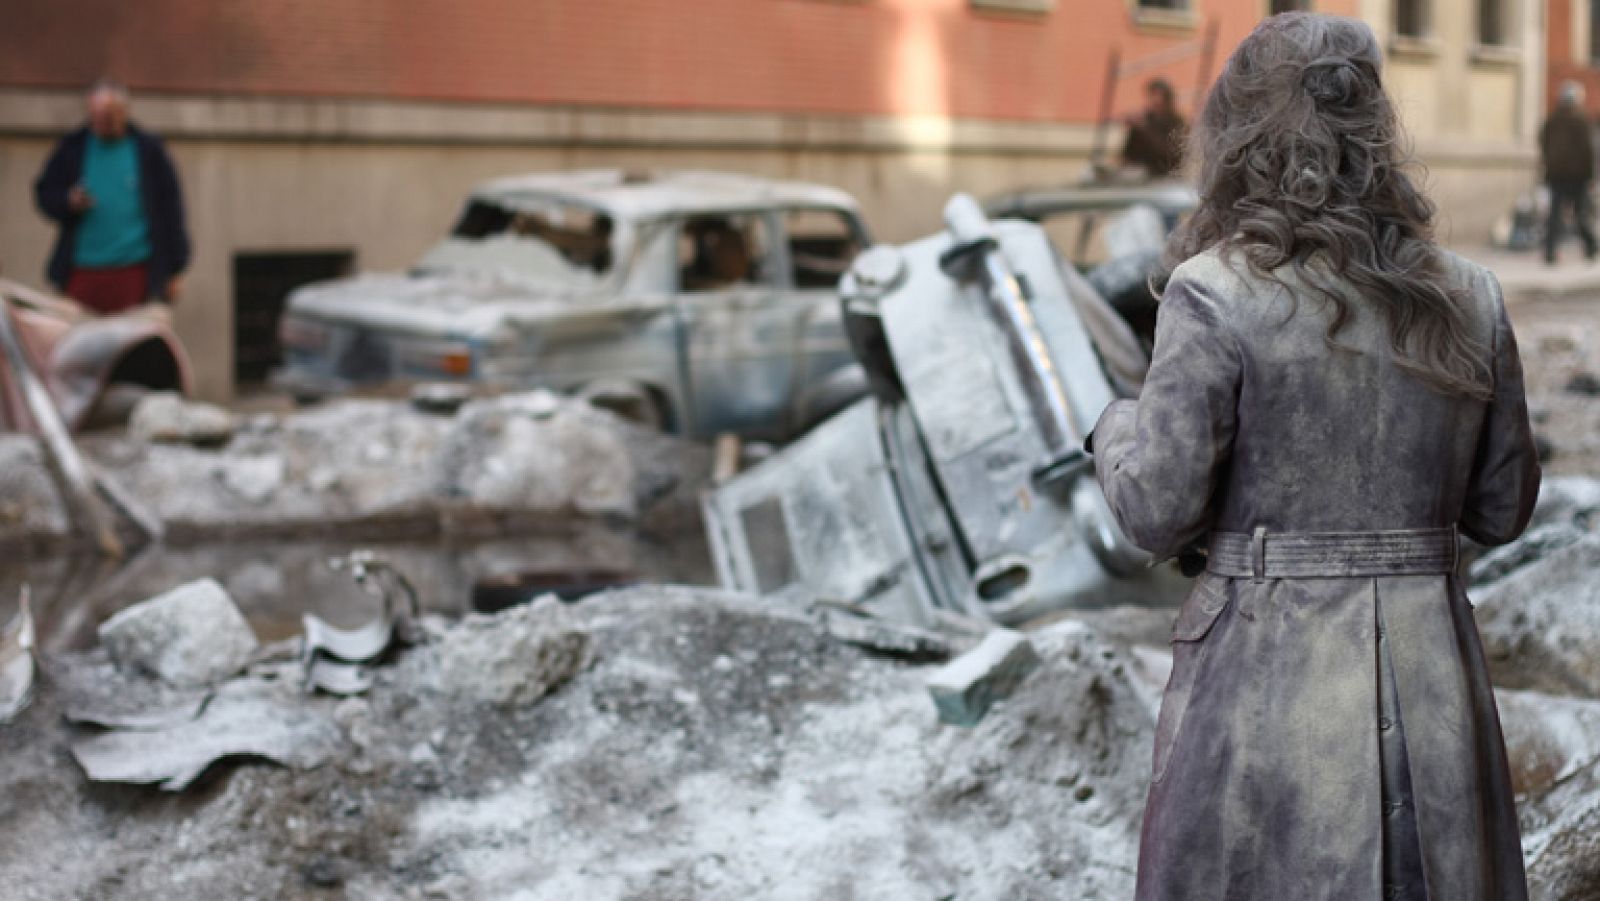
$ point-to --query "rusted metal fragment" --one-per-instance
(247, 718)
(17, 668)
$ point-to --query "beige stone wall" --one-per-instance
(386, 179)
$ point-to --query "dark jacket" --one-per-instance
(163, 205)
(1566, 145)
(1155, 141)
(1266, 781)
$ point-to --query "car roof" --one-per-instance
(1038, 203)
(634, 195)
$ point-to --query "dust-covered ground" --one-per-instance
(671, 743)
(1560, 345)
(705, 748)
(681, 743)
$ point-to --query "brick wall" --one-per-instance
(938, 57)
(1562, 67)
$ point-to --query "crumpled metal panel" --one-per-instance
(246, 718)
(339, 678)
(118, 713)
(333, 659)
(355, 645)
(17, 667)
(821, 518)
(75, 352)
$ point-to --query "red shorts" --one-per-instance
(112, 290)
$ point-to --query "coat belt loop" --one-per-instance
(1258, 553)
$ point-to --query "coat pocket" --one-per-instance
(1200, 610)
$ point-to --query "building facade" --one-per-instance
(1573, 49)
(314, 137)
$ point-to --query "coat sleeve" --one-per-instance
(177, 231)
(1158, 458)
(53, 185)
(1505, 471)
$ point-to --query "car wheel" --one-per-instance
(639, 404)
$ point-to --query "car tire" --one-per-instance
(638, 404)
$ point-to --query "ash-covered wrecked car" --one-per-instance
(1111, 231)
(960, 484)
(702, 302)
(93, 368)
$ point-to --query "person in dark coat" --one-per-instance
(1568, 153)
(1155, 139)
(1332, 398)
(113, 191)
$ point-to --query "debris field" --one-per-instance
(645, 742)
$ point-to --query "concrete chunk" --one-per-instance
(965, 688)
(191, 635)
(171, 419)
(513, 659)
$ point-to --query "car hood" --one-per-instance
(437, 303)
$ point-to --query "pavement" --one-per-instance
(1525, 277)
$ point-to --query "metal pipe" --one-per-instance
(77, 484)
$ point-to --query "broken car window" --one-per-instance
(533, 237)
(720, 252)
(821, 245)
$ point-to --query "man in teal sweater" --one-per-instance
(114, 192)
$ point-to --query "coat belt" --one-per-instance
(1265, 554)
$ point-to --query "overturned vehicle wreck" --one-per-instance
(960, 485)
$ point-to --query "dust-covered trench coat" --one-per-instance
(1266, 781)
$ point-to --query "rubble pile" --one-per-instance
(1537, 605)
(649, 743)
(373, 467)
(1561, 360)
(1538, 599)
(662, 743)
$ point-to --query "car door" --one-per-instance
(737, 327)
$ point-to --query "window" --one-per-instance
(720, 252)
(1016, 6)
(821, 245)
(1174, 5)
(580, 235)
(1492, 23)
(262, 283)
(1411, 18)
(1287, 6)
(1592, 32)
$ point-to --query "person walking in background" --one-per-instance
(1155, 139)
(113, 192)
(1568, 154)
(1331, 399)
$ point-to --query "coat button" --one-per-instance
(1385, 723)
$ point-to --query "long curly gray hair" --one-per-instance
(1301, 157)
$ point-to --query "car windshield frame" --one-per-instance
(496, 248)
